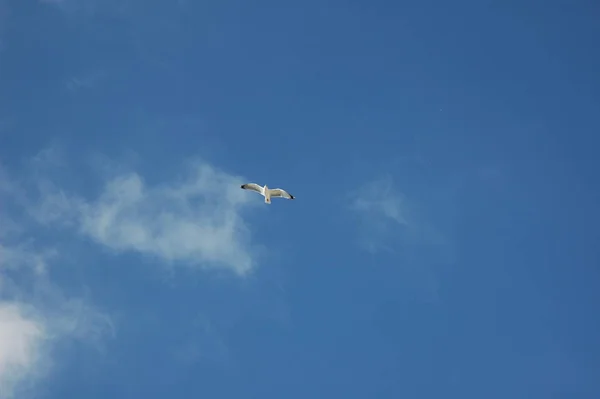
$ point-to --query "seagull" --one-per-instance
(267, 192)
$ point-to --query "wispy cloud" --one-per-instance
(381, 199)
(391, 221)
(87, 80)
(79, 6)
(385, 212)
(380, 207)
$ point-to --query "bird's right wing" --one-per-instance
(281, 193)
(253, 187)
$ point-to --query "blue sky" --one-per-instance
(443, 238)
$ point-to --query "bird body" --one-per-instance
(267, 192)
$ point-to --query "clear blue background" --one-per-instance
(484, 116)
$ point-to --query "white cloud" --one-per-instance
(195, 221)
(34, 314)
(20, 338)
(29, 329)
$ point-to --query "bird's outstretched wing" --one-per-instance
(280, 193)
(253, 187)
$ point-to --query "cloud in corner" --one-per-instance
(34, 313)
(20, 338)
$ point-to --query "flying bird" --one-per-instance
(267, 192)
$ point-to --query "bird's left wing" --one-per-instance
(281, 193)
(253, 187)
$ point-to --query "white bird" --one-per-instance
(267, 192)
